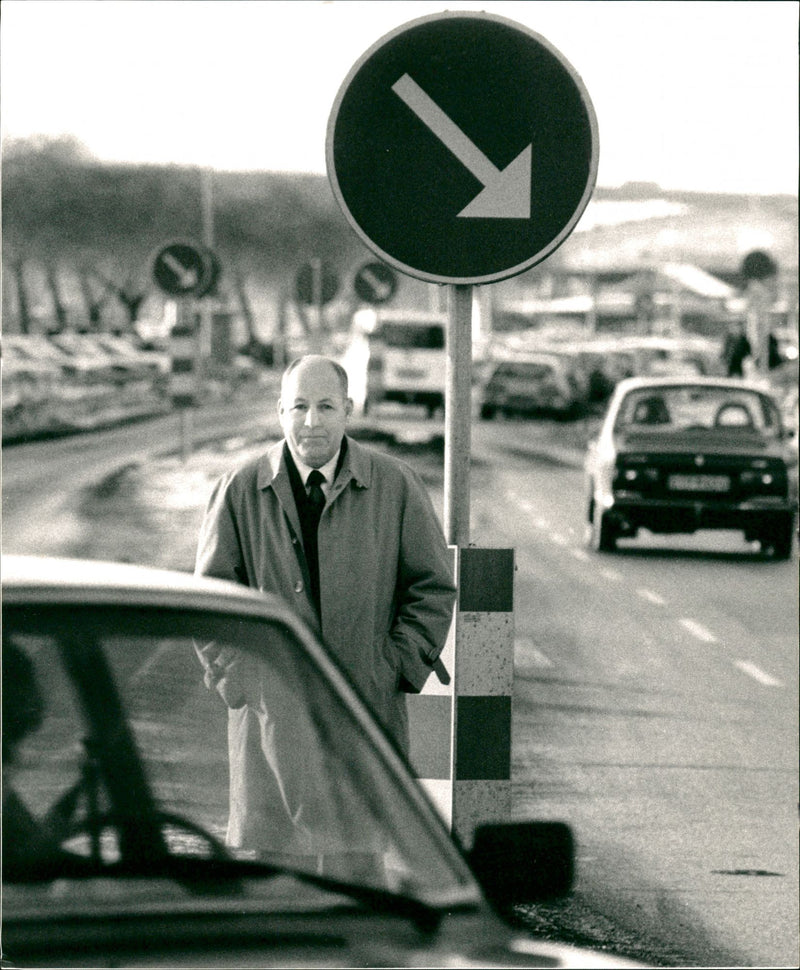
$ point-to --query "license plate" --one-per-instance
(699, 483)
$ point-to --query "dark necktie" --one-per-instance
(316, 497)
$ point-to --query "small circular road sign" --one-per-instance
(183, 269)
(758, 265)
(306, 284)
(462, 148)
(375, 283)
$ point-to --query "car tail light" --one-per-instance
(764, 476)
(640, 474)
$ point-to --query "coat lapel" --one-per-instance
(356, 466)
(273, 473)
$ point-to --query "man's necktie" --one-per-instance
(316, 497)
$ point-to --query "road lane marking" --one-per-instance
(611, 574)
(542, 524)
(757, 673)
(533, 656)
(539, 659)
(558, 539)
(650, 596)
(697, 630)
(581, 554)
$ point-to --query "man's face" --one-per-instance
(313, 412)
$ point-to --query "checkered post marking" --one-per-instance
(461, 732)
(184, 353)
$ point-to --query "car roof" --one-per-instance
(39, 579)
(530, 357)
(682, 380)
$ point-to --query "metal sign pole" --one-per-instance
(458, 415)
(206, 310)
(316, 301)
(758, 299)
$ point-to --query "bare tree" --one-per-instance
(17, 268)
(51, 277)
(129, 294)
(94, 304)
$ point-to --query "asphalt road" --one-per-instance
(655, 701)
(655, 710)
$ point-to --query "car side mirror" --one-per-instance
(523, 862)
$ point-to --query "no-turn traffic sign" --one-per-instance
(462, 148)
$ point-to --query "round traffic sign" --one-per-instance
(758, 265)
(462, 148)
(375, 283)
(184, 269)
(311, 276)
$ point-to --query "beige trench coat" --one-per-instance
(387, 595)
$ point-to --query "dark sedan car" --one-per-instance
(678, 454)
(116, 796)
(535, 383)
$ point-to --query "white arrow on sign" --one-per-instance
(381, 290)
(506, 193)
(187, 278)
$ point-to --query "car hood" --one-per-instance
(273, 923)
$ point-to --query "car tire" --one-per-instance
(778, 538)
(602, 534)
(487, 412)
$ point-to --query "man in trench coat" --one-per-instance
(380, 593)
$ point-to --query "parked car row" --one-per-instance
(68, 380)
(84, 358)
(565, 374)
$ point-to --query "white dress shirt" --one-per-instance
(328, 470)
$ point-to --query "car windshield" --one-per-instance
(697, 408)
(525, 371)
(411, 337)
(180, 676)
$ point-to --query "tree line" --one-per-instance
(67, 214)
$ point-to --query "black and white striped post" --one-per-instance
(461, 732)
(184, 370)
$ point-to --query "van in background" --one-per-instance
(396, 355)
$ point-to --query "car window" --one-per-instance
(525, 371)
(181, 677)
(46, 747)
(400, 335)
(712, 409)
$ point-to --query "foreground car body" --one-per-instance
(678, 454)
(116, 785)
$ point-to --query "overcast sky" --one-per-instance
(691, 95)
